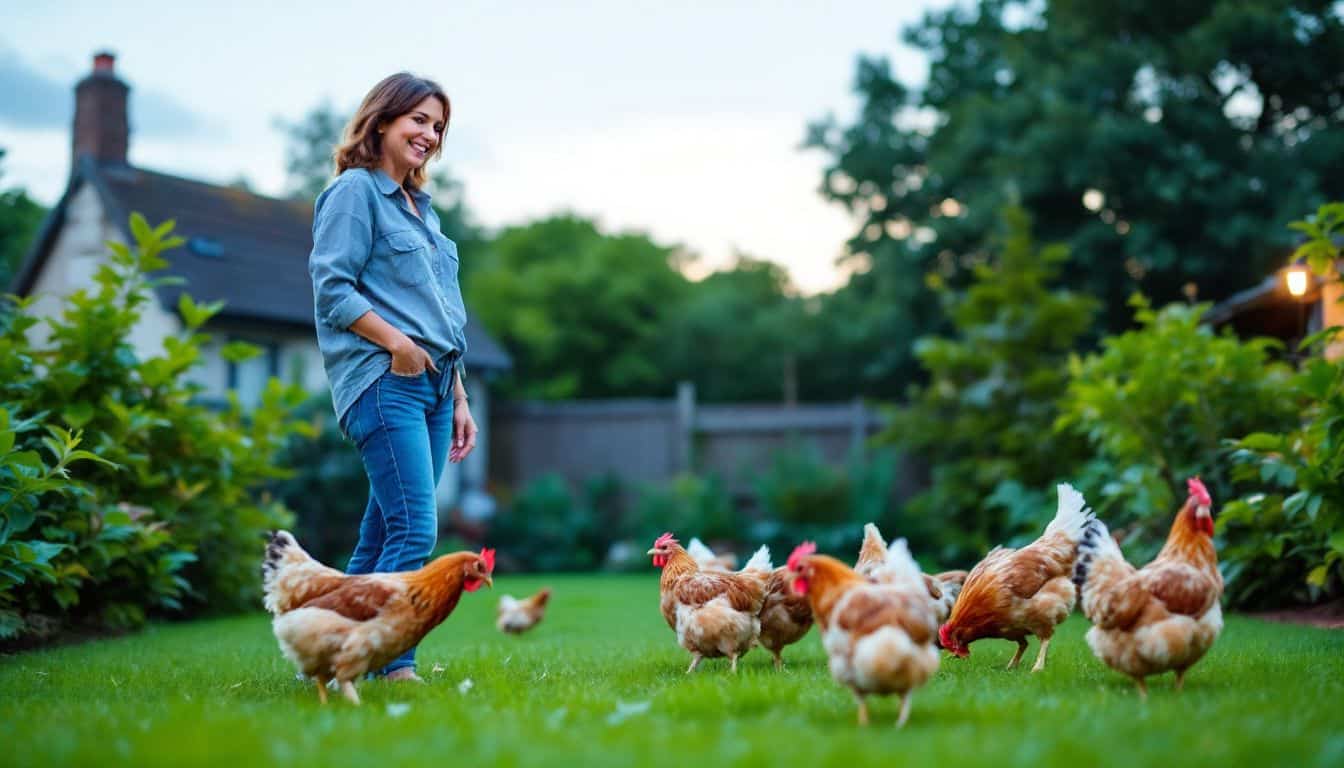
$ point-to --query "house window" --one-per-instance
(249, 377)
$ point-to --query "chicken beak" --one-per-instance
(651, 552)
(489, 581)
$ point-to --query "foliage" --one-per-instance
(582, 312)
(20, 217)
(749, 306)
(689, 505)
(1286, 540)
(601, 682)
(326, 487)
(1165, 144)
(1156, 404)
(545, 528)
(984, 420)
(168, 517)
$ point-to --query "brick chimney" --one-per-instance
(102, 130)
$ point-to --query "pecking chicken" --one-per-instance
(1014, 593)
(707, 558)
(878, 637)
(338, 627)
(713, 613)
(943, 587)
(516, 616)
(1163, 616)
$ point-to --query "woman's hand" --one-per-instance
(464, 431)
(408, 359)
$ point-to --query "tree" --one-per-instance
(1166, 144)
(20, 217)
(985, 420)
(738, 335)
(581, 311)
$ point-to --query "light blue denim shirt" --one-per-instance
(370, 252)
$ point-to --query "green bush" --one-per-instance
(1156, 404)
(169, 517)
(1285, 541)
(984, 420)
(544, 528)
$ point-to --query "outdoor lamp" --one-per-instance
(1297, 276)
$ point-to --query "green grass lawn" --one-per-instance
(601, 682)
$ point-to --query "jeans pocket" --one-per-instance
(406, 375)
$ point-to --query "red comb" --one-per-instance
(799, 552)
(664, 540)
(488, 557)
(1198, 492)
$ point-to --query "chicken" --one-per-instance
(786, 616)
(1014, 593)
(516, 616)
(1163, 616)
(339, 627)
(714, 614)
(708, 560)
(943, 587)
(878, 637)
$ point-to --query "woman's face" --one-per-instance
(409, 140)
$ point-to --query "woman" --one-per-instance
(390, 322)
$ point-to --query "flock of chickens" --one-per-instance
(882, 621)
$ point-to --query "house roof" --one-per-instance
(248, 250)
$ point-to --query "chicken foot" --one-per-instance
(1017, 657)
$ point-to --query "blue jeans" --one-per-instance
(402, 428)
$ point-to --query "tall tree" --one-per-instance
(1167, 144)
(20, 217)
(581, 311)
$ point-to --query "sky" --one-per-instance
(681, 120)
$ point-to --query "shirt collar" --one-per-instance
(386, 185)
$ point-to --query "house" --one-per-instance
(1271, 309)
(247, 250)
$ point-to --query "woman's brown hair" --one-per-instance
(362, 145)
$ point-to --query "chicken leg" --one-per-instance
(348, 688)
(905, 710)
(1017, 657)
(732, 663)
(695, 662)
(1143, 688)
(321, 690)
(863, 708)
(1180, 678)
(1040, 656)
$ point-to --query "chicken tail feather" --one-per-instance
(1072, 514)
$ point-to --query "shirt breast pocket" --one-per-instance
(407, 258)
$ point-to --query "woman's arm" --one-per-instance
(464, 426)
(408, 359)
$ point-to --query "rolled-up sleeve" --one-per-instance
(342, 241)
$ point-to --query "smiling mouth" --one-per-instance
(420, 148)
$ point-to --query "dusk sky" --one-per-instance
(681, 120)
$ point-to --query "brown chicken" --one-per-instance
(338, 627)
(1163, 616)
(878, 637)
(713, 613)
(943, 587)
(786, 615)
(515, 616)
(1014, 593)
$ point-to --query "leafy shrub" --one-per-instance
(1285, 541)
(985, 417)
(168, 519)
(544, 528)
(1156, 404)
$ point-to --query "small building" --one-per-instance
(244, 249)
(1271, 309)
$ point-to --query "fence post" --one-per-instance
(685, 427)
(858, 435)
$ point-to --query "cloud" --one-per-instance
(30, 99)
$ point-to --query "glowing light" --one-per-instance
(1297, 280)
(1093, 200)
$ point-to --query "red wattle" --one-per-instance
(471, 585)
(800, 586)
